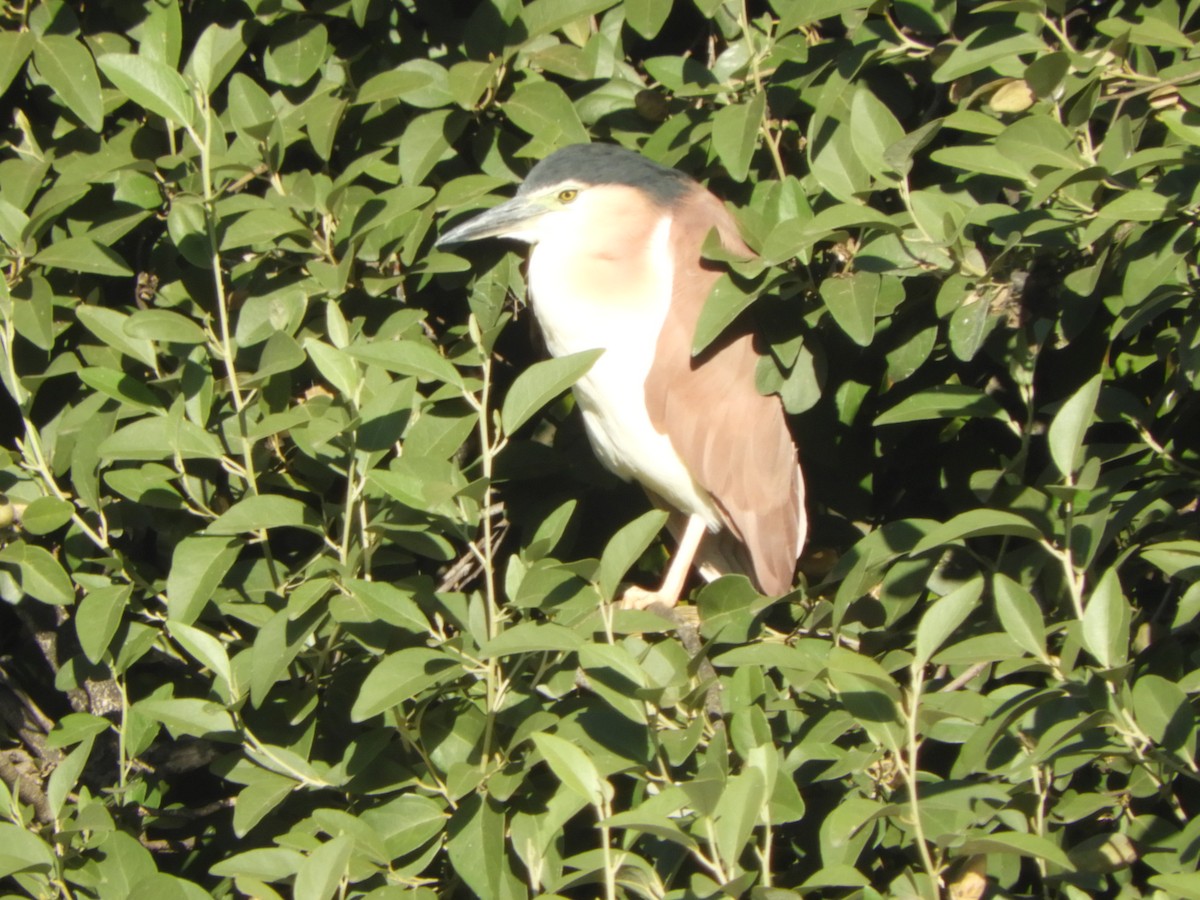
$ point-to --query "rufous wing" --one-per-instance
(734, 440)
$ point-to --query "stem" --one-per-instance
(292, 773)
(415, 745)
(1041, 788)
(1059, 32)
(714, 864)
(122, 752)
(604, 810)
(225, 348)
(486, 555)
(348, 517)
(908, 768)
(768, 844)
(1074, 579)
(756, 73)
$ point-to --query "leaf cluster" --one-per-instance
(305, 564)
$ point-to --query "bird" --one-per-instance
(616, 264)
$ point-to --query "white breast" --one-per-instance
(612, 395)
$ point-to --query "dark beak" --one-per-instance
(499, 221)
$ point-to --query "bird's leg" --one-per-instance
(672, 586)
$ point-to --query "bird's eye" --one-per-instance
(568, 195)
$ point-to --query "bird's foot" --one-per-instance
(634, 597)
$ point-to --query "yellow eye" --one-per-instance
(568, 195)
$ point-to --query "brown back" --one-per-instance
(734, 440)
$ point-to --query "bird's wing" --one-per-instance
(734, 440)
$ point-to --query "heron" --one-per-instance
(616, 263)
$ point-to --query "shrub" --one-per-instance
(305, 580)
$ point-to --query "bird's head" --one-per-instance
(571, 191)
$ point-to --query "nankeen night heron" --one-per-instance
(617, 264)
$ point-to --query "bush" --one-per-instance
(305, 580)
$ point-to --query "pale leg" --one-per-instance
(672, 585)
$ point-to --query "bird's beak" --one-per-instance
(510, 219)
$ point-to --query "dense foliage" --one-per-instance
(305, 559)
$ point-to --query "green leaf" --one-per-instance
(46, 514)
(206, 649)
(647, 17)
(1174, 558)
(735, 134)
(1163, 712)
(263, 793)
(15, 47)
(65, 776)
(401, 676)
(418, 82)
(541, 383)
(544, 16)
(623, 550)
(191, 716)
(869, 694)
(1184, 886)
(938, 216)
(216, 52)
(83, 254)
(389, 603)
(109, 326)
(68, 68)
(165, 326)
(98, 617)
(994, 46)
(150, 84)
(1106, 622)
(259, 227)
(121, 387)
(943, 617)
(982, 158)
(260, 512)
(250, 108)
(407, 822)
(531, 637)
(799, 13)
(739, 809)
(875, 129)
(23, 851)
(1038, 141)
(851, 301)
(573, 768)
(406, 357)
(550, 531)
(123, 862)
(426, 141)
(322, 872)
(978, 523)
(476, 847)
(197, 568)
(1020, 615)
(970, 324)
(335, 366)
(1136, 206)
(944, 401)
(160, 437)
(1020, 843)
(264, 863)
(42, 576)
(836, 165)
(1071, 422)
(544, 111)
(295, 52)
(728, 607)
(726, 301)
